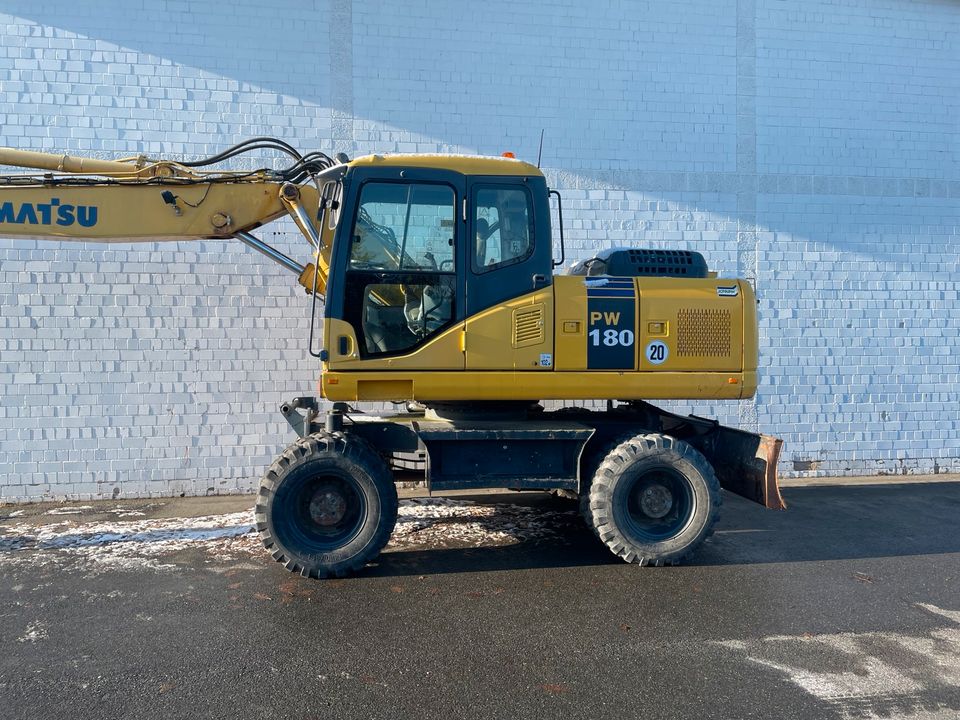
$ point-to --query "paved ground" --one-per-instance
(845, 606)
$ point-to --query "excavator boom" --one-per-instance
(138, 200)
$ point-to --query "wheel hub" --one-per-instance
(656, 501)
(327, 507)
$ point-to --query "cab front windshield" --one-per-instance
(401, 278)
(403, 226)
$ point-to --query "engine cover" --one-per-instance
(633, 262)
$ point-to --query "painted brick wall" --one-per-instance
(813, 147)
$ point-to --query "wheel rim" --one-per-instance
(324, 512)
(660, 504)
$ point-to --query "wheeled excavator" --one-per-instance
(435, 277)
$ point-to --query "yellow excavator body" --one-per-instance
(436, 275)
(579, 338)
(685, 342)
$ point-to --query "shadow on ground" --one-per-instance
(821, 524)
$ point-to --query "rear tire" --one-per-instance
(588, 469)
(653, 500)
(327, 505)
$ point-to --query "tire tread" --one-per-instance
(302, 451)
(599, 511)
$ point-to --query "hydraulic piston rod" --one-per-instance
(271, 252)
(69, 164)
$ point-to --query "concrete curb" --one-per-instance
(868, 480)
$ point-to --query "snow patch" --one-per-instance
(870, 683)
(75, 510)
(127, 545)
(953, 615)
(35, 631)
(428, 523)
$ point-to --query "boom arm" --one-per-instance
(137, 200)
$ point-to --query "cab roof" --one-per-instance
(465, 164)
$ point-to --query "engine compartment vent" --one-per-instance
(528, 325)
(634, 262)
(703, 332)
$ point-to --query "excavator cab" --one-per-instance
(423, 249)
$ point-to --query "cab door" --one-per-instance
(509, 308)
(402, 303)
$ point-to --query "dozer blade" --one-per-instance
(745, 463)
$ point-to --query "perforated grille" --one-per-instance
(703, 333)
(528, 326)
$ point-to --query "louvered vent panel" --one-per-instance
(703, 333)
(528, 326)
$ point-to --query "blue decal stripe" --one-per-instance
(610, 294)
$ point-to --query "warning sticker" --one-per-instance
(657, 352)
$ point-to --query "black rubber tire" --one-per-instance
(695, 501)
(589, 466)
(370, 505)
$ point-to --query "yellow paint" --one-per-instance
(384, 389)
(465, 164)
(484, 342)
(138, 213)
(490, 335)
(751, 343)
(570, 308)
(440, 353)
(515, 385)
(664, 299)
(497, 371)
(321, 261)
(135, 167)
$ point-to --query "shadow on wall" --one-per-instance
(658, 87)
(497, 74)
(638, 107)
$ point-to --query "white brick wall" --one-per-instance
(810, 146)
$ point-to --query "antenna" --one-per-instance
(540, 151)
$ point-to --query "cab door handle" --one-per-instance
(344, 346)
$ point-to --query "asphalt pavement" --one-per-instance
(847, 605)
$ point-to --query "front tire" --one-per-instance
(327, 505)
(654, 500)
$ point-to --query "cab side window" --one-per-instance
(503, 227)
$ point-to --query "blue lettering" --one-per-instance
(87, 216)
(65, 215)
(27, 214)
